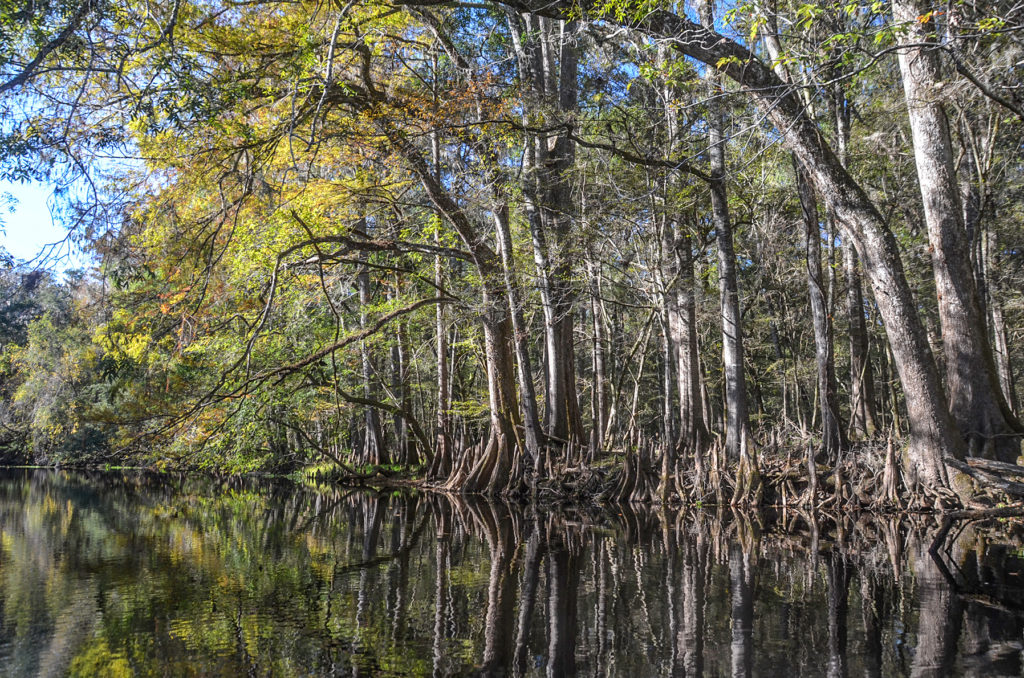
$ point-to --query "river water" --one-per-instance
(112, 574)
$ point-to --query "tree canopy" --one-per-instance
(647, 249)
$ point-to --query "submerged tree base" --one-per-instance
(869, 477)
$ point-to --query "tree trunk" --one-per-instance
(738, 442)
(497, 470)
(975, 399)
(534, 435)
(1002, 351)
(600, 397)
(405, 448)
(548, 66)
(668, 433)
(442, 462)
(737, 422)
(374, 452)
(863, 415)
(680, 303)
(975, 171)
(833, 435)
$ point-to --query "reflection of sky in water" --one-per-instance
(142, 574)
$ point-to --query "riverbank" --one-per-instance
(869, 480)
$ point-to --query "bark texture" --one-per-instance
(833, 435)
(738, 440)
(975, 398)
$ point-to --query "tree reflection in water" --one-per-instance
(139, 574)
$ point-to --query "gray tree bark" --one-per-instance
(681, 311)
(975, 398)
(974, 170)
(600, 397)
(548, 66)
(534, 435)
(833, 434)
(374, 451)
(738, 443)
(442, 462)
(863, 414)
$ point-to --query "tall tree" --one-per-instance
(547, 57)
(975, 398)
(739, 442)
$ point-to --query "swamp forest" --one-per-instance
(639, 250)
(513, 337)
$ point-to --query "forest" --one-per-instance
(642, 250)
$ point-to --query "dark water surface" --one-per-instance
(117, 575)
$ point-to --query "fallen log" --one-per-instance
(987, 478)
(999, 467)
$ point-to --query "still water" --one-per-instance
(138, 574)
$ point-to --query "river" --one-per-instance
(120, 574)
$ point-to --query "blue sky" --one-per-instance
(29, 228)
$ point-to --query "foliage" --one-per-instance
(297, 188)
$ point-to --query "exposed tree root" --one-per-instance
(749, 488)
(868, 478)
